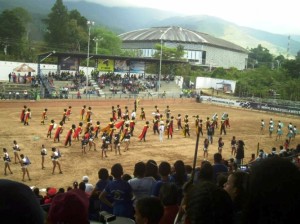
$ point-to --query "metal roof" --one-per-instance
(177, 34)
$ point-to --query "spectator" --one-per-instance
(88, 187)
(240, 153)
(237, 186)
(121, 193)
(69, 207)
(168, 196)
(18, 204)
(37, 194)
(206, 203)
(152, 169)
(141, 186)
(148, 210)
(164, 170)
(274, 195)
(218, 167)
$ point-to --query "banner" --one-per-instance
(254, 105)
(105, 65)
(137, 67)
(121, 66)
(69, 63)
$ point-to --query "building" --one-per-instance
(200, 49)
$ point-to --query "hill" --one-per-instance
(123, 19)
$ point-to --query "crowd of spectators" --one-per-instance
(266, 190)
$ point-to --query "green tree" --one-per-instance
(12, 31)
(259, 56)
(57, 24)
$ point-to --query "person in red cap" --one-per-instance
(70, 207)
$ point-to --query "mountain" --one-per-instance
(123, 19)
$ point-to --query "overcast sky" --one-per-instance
(275, 16)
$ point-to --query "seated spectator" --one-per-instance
(141, 186)
(274, 195)
(148, 210)
(18, 204)
(50, 194)
(39, 197)
(88, 187)
(205, 172)
(69, 207)
(168, 195)
(206, 203)
(121, 193)
(152, 169)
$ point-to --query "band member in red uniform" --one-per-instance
(142, 136)
(131, 125)
(64, 117)
(155, 124)
(44, 116)
(88, 115)
(179, 126)
(22, 116)
(27, 117)
(59, 130)
(69, 112)
(78, 131)
(125, 132)
(114, 113)
(169, 127)
(51, 126)
(143, 114)
(119, 111)
(82, 112)
(69, 135)
(97, 129)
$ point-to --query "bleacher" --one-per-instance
(8, 90)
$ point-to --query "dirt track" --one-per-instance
(245, 125)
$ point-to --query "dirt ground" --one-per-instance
(245, 125)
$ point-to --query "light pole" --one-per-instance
(160, 59)
(96, 41)
(89, 24)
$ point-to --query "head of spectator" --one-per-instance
(88, 187)
(139, 170)
(82, 186)
(152, 169)
(69, 207)
(179, 172)
(206, 171)
(18, 204)
(126, 177)
(217, 158)
(148, 210)
(206, 203)
(164, 170)
(61, 190)
(103, 174)
(274, 195)
(50, 194)
(75, 185)
(117, 171)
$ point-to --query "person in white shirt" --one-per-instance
(43, 153)
(161, 131)
(141, 186)
(88, 187)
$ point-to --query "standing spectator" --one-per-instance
(218, 167)
(240, 153)
(220, 145)
(121, 193)
(141, 186)
(168, 196)
(205, 149)
(9, 77)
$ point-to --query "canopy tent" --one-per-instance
(24, 68)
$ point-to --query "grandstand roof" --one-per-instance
(177, 34)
